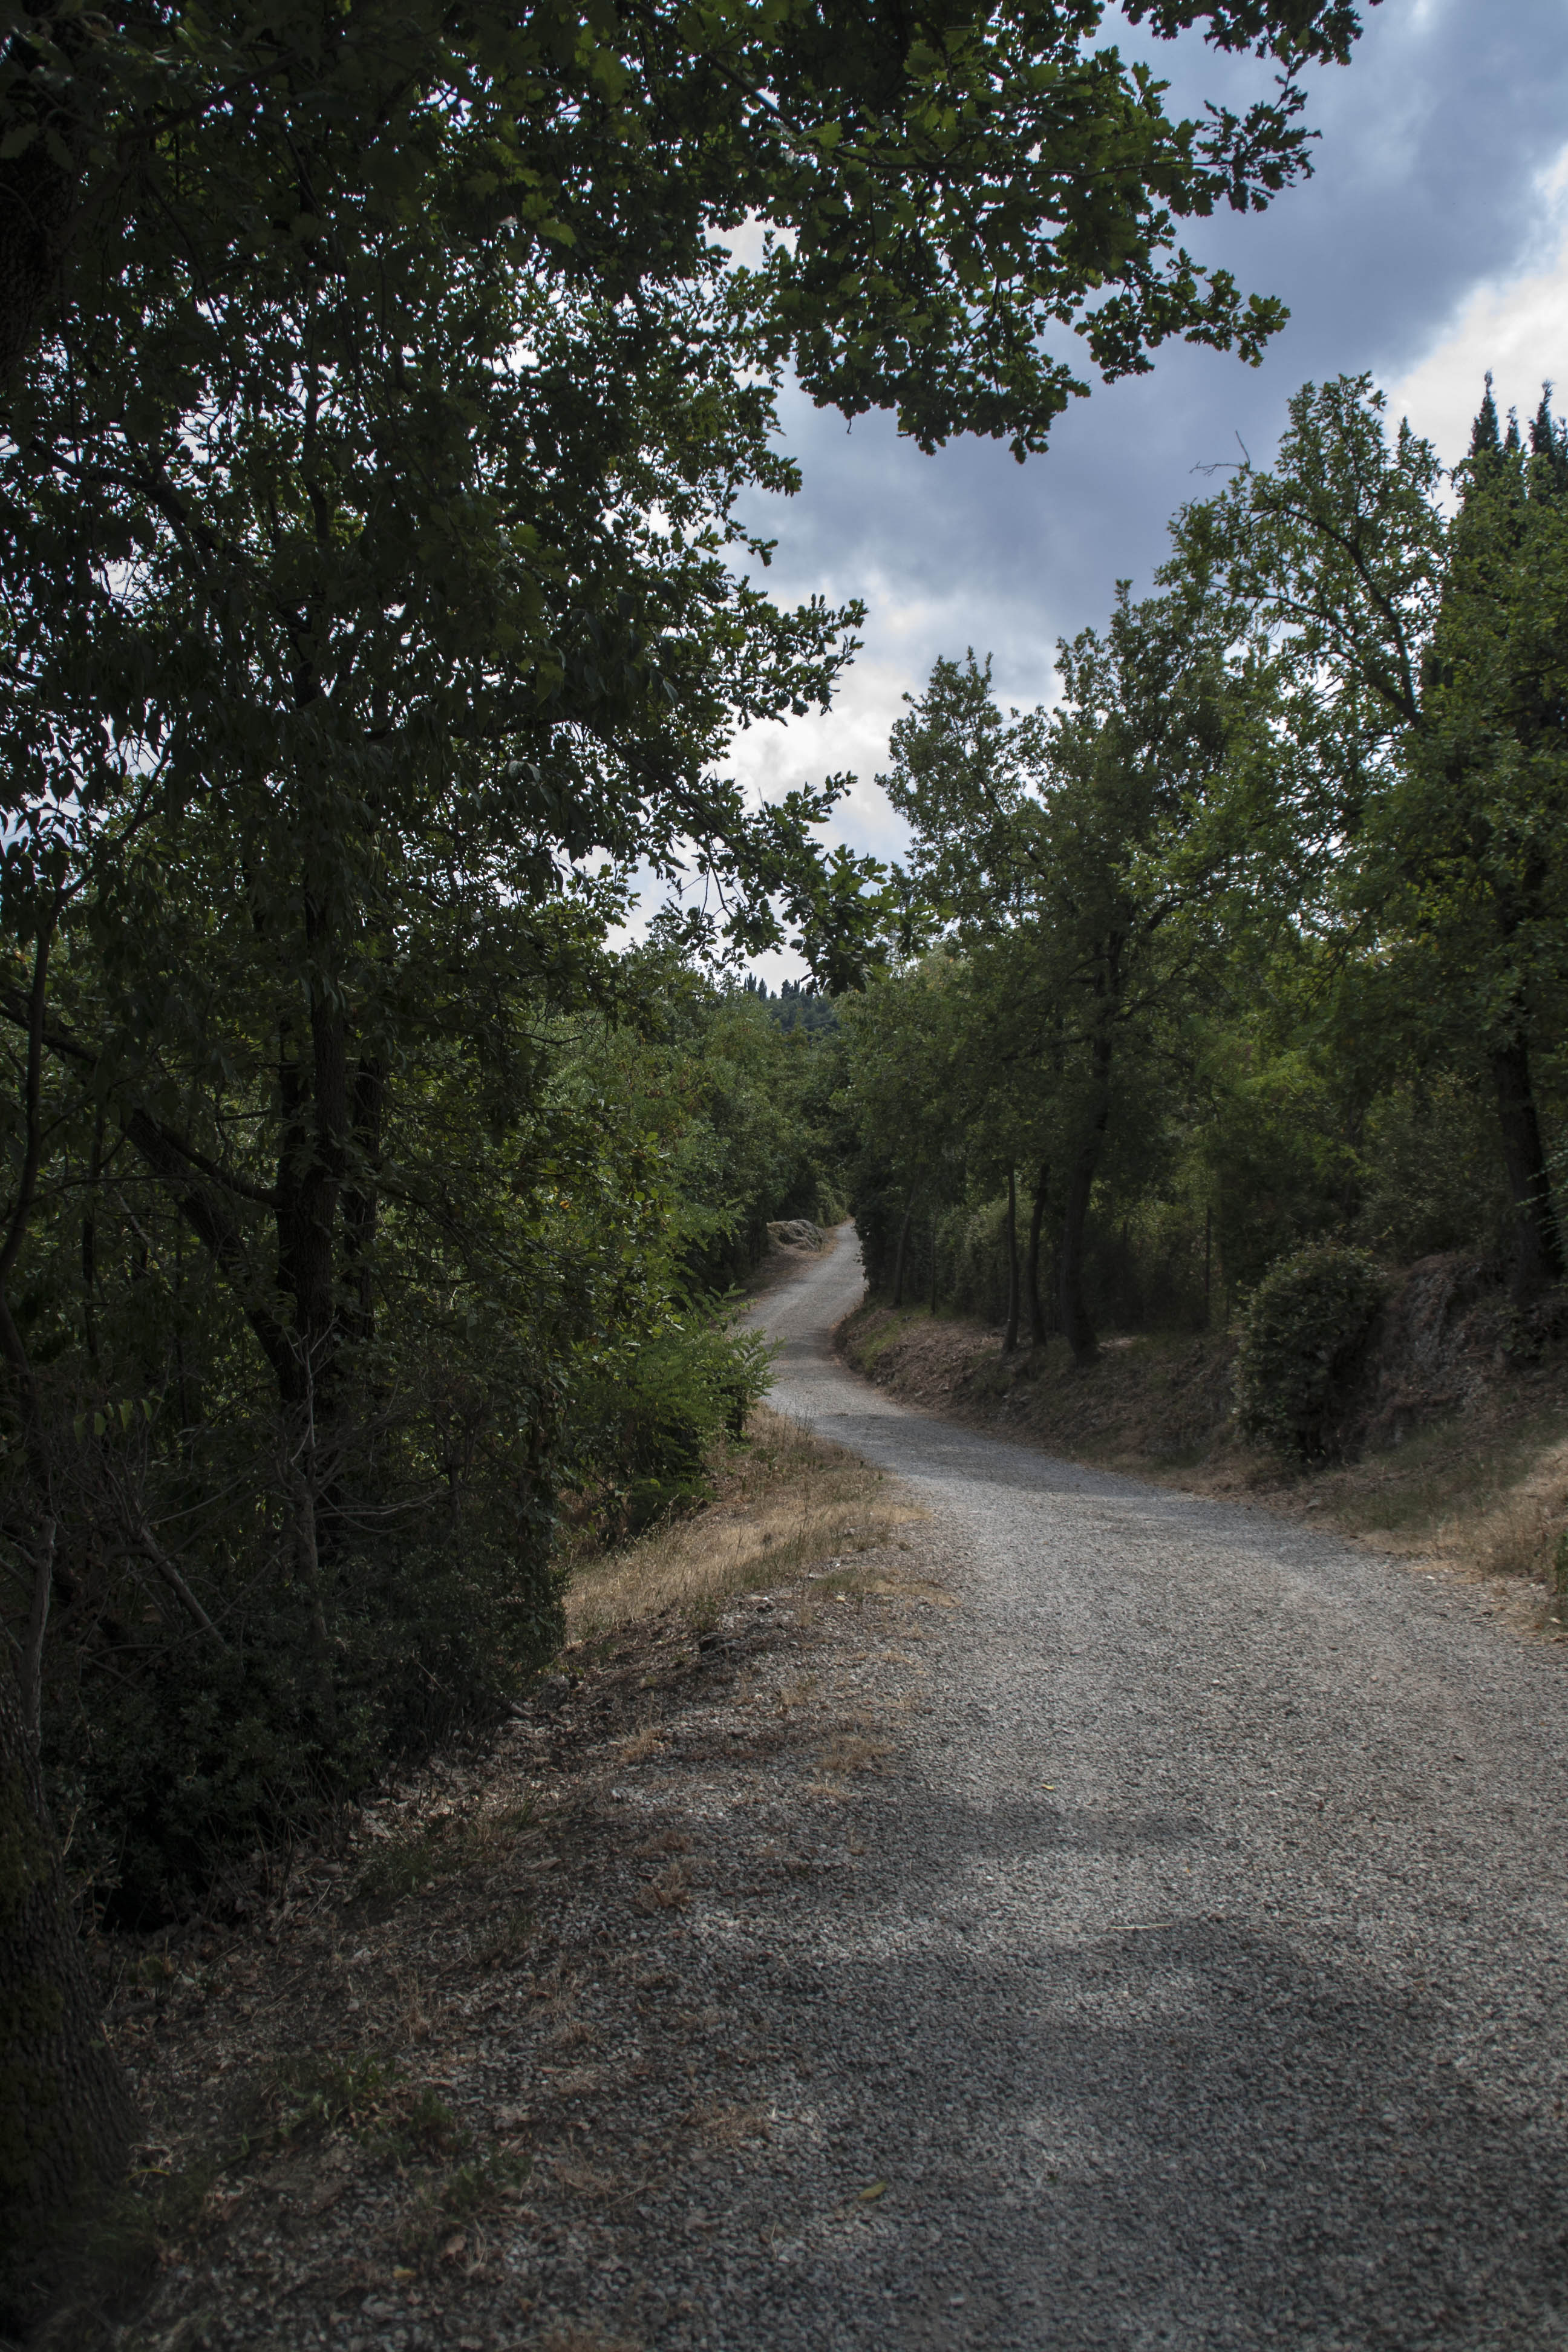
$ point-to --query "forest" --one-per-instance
(378, 609)
(1254, 940)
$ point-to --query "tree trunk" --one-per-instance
(312, 1166)
(1079, 1330)
(361, 1197)
(1038, 1333)
(933, 1265)
(89, 1239)
(1010, 1335)
(1537, 1244)
(901, 1255)
(66, 2118)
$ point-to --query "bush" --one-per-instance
(179, 1761)
(649, 1419)
(1302, 1336)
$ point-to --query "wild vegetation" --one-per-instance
(1238, 974)
(381, 389)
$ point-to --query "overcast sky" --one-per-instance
(1431, 244)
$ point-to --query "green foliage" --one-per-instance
(1420, 817)
(1302, 1335)
(314, 2097)
(1432, 1178)
(370, 615)
(607, 149)
(648, 1421)
(178, 1758)
(522, 1320)
(1078, 864)
(1256, 938)
(970, 1246)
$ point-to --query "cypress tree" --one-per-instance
(1548, 450)
(1484, 434)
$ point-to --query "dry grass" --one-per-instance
(1516, 1531)
(670, 1891)
(1483, 1491)
(783, 1502)
(848, 1751)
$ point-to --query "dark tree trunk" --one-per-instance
(313, 1157)
(311, 1166)
(1010, 1335)
(361, 1199)
(1079, 1330)
(89, 1238)
(1037, 1331)
(1537, 1244)
(66, 2118)
(900, 1256)
(933, 1265)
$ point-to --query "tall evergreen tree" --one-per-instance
(1485, 819)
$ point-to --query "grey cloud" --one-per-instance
(1432, 144)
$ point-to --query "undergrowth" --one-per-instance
(782, 1500)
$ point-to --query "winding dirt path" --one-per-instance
(1208, 1983)
(1087, 1918)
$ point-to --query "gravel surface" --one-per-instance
(1086, 1918)
(1206, 1981)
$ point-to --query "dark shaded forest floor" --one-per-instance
(1464, 1462)
(453, 2079)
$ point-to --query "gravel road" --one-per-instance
(1206, 1981)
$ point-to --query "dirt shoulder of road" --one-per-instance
(471, 2077)
(1476, 1483)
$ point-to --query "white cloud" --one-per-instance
(1518, 329)
(773, 760)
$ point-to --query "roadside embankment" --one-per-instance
(464, 2072)
(1461, 1451)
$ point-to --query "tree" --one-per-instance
(1483, 818)
(1417, 816)
(948, 184)
(909, 1096)
(1077, 859)
(366, 504)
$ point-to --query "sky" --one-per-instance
(1431, 244)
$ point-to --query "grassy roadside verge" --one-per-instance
(780, 1503)
(1482, 1491)
(362, 2078)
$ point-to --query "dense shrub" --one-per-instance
(264, 1603)
(182, 1760)
(1302, 1336)
(647, 1423)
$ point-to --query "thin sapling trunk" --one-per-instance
(1010, 1335)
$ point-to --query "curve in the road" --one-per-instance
(1212, 1987)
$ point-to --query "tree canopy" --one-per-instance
(1254, 941)
(381, 384)
(947, 184)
